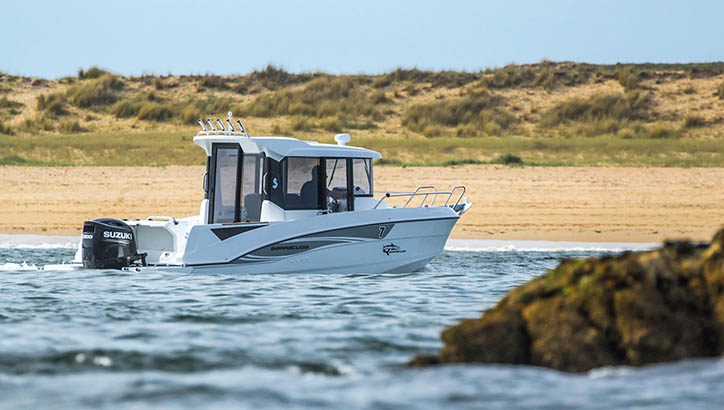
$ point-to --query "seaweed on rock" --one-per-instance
(632, 309)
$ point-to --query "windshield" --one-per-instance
(362, 176)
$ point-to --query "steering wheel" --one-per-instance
(332, 204)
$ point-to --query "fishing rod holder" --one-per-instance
(209, 128)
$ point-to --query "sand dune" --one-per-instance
(534, 203)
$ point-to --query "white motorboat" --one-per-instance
(282, 205)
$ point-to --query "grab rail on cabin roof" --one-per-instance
(425, 192)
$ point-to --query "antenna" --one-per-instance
(221, 125)
(228, 121)
(211, 124)
(203, 126)
(241, 128)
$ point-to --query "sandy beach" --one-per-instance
(526, 203)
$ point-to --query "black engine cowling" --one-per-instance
(109, 244)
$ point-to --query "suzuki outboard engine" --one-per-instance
(109, 244)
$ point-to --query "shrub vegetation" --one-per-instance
(5, 103)
(126, 108)
(694, 121)
(100, 91)
(93, 72)
(472, 113)
(212, 81)
(628, 79)
(272, 77)
(5, 129)
(544, 74)
(323, 97)
(508, 159)
(70, 126)
(662, 131)
(53, 104)
(153, 111)
(449, 79)
(616, 107)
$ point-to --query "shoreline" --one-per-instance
(570, 204)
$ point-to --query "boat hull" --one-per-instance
(394, 241)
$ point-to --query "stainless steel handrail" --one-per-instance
(423, 193)
(462, 192)
(426, 195)
(162, 218)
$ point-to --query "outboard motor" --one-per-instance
(109, 244)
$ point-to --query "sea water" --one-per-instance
(108, 339)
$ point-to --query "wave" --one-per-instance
(187, 361)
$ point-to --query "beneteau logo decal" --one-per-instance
(117, 235)
(392, 248)
(289, 247)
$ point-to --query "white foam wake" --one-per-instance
(37, 242)
(473, 245)
(9, 266)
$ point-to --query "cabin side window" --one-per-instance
(303, 176)
(294, 183)
(299, 183)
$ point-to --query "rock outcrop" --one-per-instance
(631, 309)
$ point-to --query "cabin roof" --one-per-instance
(286, 147)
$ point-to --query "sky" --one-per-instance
(52, 39)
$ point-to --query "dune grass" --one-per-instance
(322, 97)
(474, 113)
(104, 149)
(99, 91)
(607, 150)
(176, 148)
(549, 113)
(53, 104)
(617, 107)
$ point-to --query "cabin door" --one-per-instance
(235, 188)
(225, 169)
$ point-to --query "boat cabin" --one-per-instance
(265, 179)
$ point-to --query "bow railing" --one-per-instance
(428, 195)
